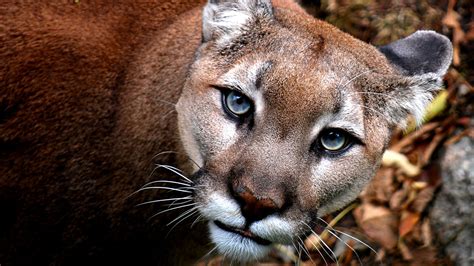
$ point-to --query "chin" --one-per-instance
(237, 247)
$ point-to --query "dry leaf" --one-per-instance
(408, 222)
(379, 223)
(422, 199)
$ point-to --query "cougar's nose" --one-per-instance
(253, 208)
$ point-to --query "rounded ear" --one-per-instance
(229, 18)
(423, 52)
(422, 59)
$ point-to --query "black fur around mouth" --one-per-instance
(244, 233)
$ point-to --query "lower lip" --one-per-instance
(243, 233)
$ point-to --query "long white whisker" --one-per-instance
(184, 214)
(317, 249)
(297, 251)
(305, 250)
(164, 200)
(330, 230)
(177, 204)
(169, 152)
(349, 246)
(208, 253)
(174, 171)
(348, 235)
(328, 248)
(196, 220)
(188, 213)
(356, 239)
(325, 246)
(170, 209)
(165, 188)
(167, 181)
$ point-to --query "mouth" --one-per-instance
(244, 233)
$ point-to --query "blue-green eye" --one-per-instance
(236, 104)
(334, 140)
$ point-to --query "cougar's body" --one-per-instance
(92, 96)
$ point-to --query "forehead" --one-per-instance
(286, 85)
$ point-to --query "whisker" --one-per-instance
(356, 239)
(177, 204)
(183, 216)
(196, 220)
(167, 114)
(329, 249)
(354, 78)
(317, 249)
(170, 168)
(208, 254)
(297, 262)
(325, 246)
(167, 181)
(376, 93)
(165, 188)
(180, 153)
(305, 250)
(348, 235)
(163, 200)
(349, 246)
(374, 110)
(170, 209)
(187, 214)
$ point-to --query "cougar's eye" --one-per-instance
(236, 104)
(334, 140)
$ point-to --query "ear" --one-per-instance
(421, 53)
(227, 18)
(422, 58)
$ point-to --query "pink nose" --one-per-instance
(253, 208)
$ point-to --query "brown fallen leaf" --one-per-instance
(422, 199)
(397, 199)
(379, 223)
(381, 188)
(412, 137)
(408, 222)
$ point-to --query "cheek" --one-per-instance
(338, 178)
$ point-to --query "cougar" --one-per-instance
(151, 133)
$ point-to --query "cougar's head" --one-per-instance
(288, 117)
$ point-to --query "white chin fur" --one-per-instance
(236, 247)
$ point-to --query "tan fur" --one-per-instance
(87, 94)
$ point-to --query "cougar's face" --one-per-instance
(281, 138)
(280, 122)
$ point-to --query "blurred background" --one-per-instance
(418, 210)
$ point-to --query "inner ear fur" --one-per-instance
(227, 18)
(421, 59)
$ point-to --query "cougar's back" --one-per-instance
(68, 154)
